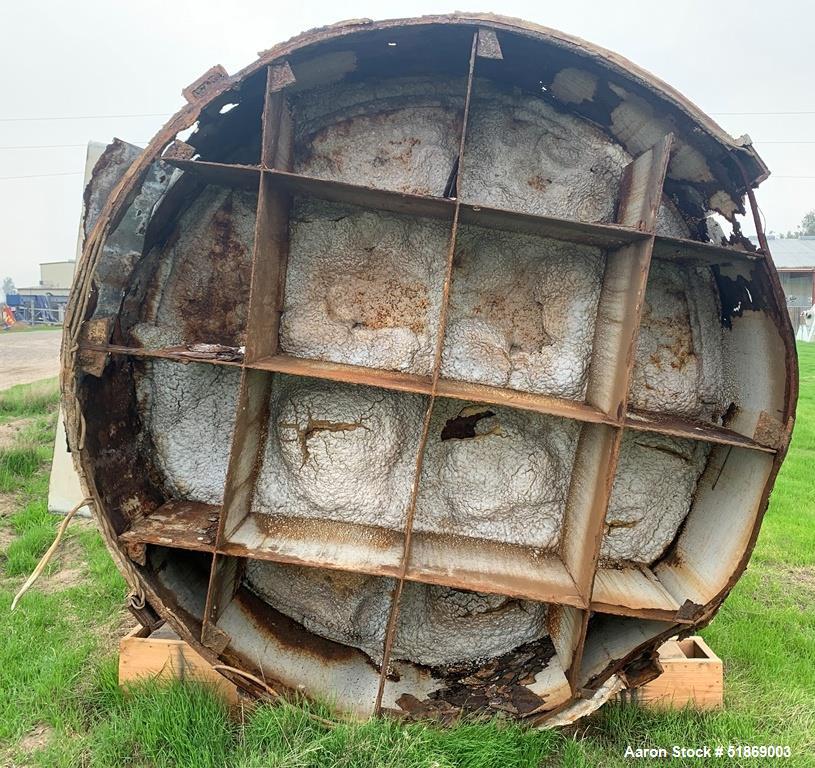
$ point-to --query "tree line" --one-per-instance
(807, 227)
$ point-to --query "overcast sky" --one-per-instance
(65, 59)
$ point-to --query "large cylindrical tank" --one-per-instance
(407, 367)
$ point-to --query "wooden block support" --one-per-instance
(164, 655)
(693, 673)
(693, 676)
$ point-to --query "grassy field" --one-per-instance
(60, 704)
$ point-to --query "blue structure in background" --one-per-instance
(41, 308)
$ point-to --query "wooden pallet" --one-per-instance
(164, 655)
(693, 676)
(693, 673)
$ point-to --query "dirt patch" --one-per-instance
(10, 431)
(37, 738)
(109, 633)
(63, 579)
(125, 623)
(67, 568)
(798, 577)
(29, 357)
(798, 583)
(71, 561)
(8, 504)
(6, 537)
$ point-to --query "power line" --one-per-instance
(46, 146)
(57, 146)
(41, 175)
(144, 141)
(79, 173)
(80, 117)
(60, 146)
(166, 114)
(774, 114)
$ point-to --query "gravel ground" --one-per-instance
(27, 357)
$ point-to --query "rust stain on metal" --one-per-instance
(137, 552)
(488, 45)
(769, 430)
(213, 638)
(689, 610)
(95, 332)
(280, 77)
(642, 669)
(499, 685)
(183, 524)
(290, 634)
(179, 150)
(200, 88)
(211, 303)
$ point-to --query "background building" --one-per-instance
(45, 303)
(795, 261)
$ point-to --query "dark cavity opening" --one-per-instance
(463, 427)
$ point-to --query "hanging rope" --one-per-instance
(136, 599)
(49, 554)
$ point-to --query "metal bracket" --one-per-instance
(204, 84)
(488, 46)
(280, 77)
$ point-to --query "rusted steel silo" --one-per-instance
(417, 376)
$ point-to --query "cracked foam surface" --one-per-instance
(652, 493)
(339, 452)
(416, 122)
(678, 367)
(523, 154)
(363, 287)
(506, 483)
(437, 625)
(522, 312)
(188, 411)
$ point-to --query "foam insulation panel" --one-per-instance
(186, 412)
(417, 120)
(679, 367)
(496, 474)
(522, 312)
(437, 625)
(363, 287)
(651, 496)
(339, 452)
(196, 284)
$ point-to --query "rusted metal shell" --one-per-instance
(416, 377)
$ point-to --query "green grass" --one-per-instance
(185, 725)
(58, 669)
(48, 642)
(21, 462)
(36, 399)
